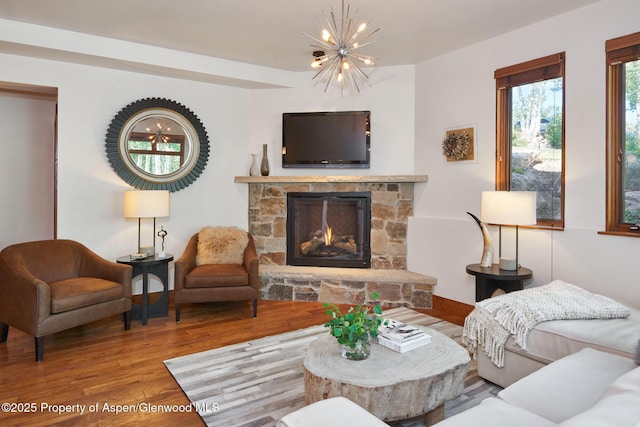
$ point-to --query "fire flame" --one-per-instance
(327, 236)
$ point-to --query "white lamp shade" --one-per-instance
(508, 207)
(146, 203)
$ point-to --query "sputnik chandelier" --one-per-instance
(342, 62)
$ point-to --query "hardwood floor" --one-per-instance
(104, 369)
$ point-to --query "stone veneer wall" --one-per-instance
(391, 205)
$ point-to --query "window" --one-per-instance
(623, 135)
(156, 154)
(530, 133)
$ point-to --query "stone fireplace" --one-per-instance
(329, 229)
(391, 204)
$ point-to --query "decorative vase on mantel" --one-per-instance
(264, 166)
(254, 170)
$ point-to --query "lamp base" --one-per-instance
(508, 264)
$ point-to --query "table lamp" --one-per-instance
(508, 208)
(146, 204)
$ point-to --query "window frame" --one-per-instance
(618, 51)
(545, 68)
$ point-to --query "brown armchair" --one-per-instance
(52, 285)
(196, 281)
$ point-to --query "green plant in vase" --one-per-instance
(355, 328)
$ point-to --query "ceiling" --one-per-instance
(270, 32)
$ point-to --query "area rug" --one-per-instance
(255, 383)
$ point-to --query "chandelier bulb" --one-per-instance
(362, 27)
(340, 76)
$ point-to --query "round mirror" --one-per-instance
(157, 144)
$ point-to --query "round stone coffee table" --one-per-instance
(390, 385)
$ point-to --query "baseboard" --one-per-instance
(452, 307)
(449, 306)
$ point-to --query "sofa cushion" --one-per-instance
(619, 405)
(495, 413)
(558, 338)
(69, 294)
(335, 412)
(221, 245)
(212, 275)
(568, 386)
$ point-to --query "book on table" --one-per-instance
(401, 337)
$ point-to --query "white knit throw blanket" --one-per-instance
(493, 320)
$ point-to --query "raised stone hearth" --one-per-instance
(391, 206)
(395, 288)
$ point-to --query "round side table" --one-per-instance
(490, 279)
(158, 267)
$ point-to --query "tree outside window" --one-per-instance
(623, 135)
(632, 152)
(530, 134)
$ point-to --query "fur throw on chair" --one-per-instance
(221, 245)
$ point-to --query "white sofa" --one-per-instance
(590, 388)
(574, 373)
(553, 340)
(586, 389)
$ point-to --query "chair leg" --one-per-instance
(126, 318)
(255, 307)
(177, 312)
(39, 348)
(4, 332)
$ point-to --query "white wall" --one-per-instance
(411, 107)
(238, 122)
(26, 167)
(391, 100)
(90, 194)
(458, 89)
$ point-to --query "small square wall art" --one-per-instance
(459, 144)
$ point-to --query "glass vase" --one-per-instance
(264, 167)
(358, 350)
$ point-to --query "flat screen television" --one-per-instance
(338, 139)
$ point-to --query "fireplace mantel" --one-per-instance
(330, 179)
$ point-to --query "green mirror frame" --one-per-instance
(196, 145)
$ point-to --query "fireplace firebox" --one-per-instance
(329, 229)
